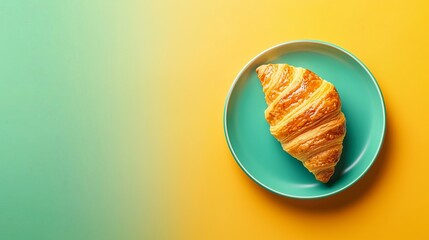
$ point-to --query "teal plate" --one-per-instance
(260, 155)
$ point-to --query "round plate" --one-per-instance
(260, 155)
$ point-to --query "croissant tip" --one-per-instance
(324, 180)
(263, 66)
(325, 175)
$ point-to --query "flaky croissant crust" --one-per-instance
(304, 113)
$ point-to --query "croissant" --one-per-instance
(304, 114)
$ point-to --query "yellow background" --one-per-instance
(111, 119)
(200, 48)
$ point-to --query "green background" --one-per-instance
(72, 100)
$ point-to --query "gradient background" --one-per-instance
(111, 119)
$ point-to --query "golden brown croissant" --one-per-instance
(304, 113)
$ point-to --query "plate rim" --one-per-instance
(317, 42)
